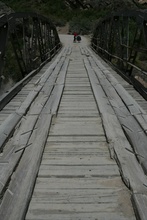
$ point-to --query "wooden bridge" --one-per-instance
(73, 143)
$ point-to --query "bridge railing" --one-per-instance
(122, 40)
(26, 41)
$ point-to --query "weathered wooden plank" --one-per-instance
(28, 101)
(140, 204)
(56, 94)
(82, 145)
(39, 136)
(83, 127)
(37, 105)
(44, 208)
(27, 154)
(75, 152)
(127, 86)
(112, 96)
(132, 105)
(83, 183)
(81, 138)
(24, 92)
(117, 139)
(15, 89)
(7, 128)
(77, 171)
(78, 106)
(7, 171)
(130, 162)
(32, 215)
(22, 183)
(71, 208)
(14, 119)
(24, 132)
(42, 98)
(49, 70)
(142, 122)
(104, 105)
(136, 136)
(101, 209)
(77, 114)
(9, 124)
(79, 160)
(15, 149)
(73, 196)
(76, 87)
(133, 130)
(63, 71)
(77, 92)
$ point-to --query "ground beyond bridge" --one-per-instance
(77, 143)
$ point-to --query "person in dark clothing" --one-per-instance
(75, 37)
(78, 39)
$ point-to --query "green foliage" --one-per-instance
(84, 22)
(57, 11)
(54, 9)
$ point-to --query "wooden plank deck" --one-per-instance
(71, 153)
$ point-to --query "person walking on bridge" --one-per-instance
(75, 37)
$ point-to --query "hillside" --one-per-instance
(80, 14)
(66, 9)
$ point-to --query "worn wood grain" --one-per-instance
(22, 183)
(76, 178)
(140, 204)
(117, 138)
(29, 136)
(65, 172)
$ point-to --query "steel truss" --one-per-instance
(122, 40)
(28, 38)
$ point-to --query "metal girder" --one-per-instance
(3, 41)
(122, 39)
(33, 37)
(18, 52)
(133, 53)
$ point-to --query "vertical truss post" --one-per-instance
(110, 40)
(18, 52)
(34, 45)
(96, 39)
(44, 36)
(125, 35)
(134, 48)
(145, 30)
(3, 41)
(38, 26)
(48, 38)
(26, 44)
(117, 39)
(103, 37)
